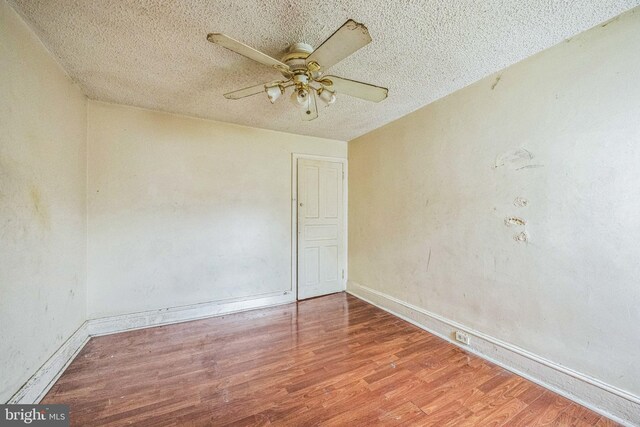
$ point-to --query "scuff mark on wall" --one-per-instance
(530, 167)
(41, 210)
(520, 202)
(513, 158)
(495, 83)
(429, 260)
(514, 220)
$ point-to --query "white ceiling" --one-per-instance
(154, 54)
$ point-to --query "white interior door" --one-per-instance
(320, 228)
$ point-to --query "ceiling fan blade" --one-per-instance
(346, 40)
(246, 51)
(311, 111)
(249, 91)
(360, 90)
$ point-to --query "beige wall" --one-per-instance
(42, 204)
(185, 211)
(429, 194)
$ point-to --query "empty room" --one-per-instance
(339, 213)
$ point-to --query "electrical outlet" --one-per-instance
(462, 337)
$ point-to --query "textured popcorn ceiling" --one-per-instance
(154, 54)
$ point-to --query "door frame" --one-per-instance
(294, 215)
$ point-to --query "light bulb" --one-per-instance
(327, 96)
(300, 98)
(274, 92)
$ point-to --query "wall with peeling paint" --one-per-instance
(42, 204)
(184, 211)
(512, 206)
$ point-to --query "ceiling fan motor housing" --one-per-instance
(296, 57)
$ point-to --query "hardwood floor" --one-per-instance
(333, 361)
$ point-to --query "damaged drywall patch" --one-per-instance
(520, 202)
(516, 157)
(522, 237)
(514, 220)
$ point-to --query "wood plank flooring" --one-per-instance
(334, 361)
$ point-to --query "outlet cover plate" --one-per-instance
(462, 337)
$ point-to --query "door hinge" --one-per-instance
(343, 175)
(343, 274)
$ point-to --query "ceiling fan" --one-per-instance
(304, 68)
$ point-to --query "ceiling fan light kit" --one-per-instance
(303, 69)
(326, 95)
(274, 91)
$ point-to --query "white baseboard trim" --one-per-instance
(614, 403)
(45, 377)
(167, 316)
